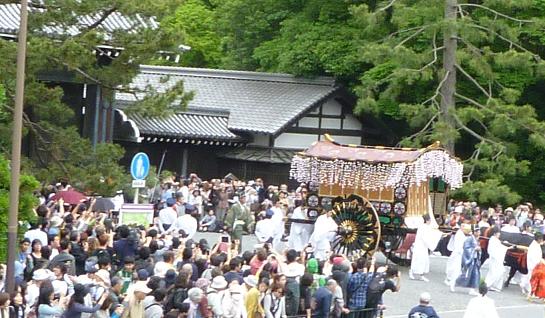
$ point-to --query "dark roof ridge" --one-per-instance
(206, 111)
(236, 75)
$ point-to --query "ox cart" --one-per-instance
(377, 194)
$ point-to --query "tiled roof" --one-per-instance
(186, 126)
(256, 102)
(10, 16)
(271, 155)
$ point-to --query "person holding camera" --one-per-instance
(77, 305)
(385, 278)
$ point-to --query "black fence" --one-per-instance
(360, 313)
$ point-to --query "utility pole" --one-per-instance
(16, 149)
(448, 89)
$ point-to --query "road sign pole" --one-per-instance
(136, 193)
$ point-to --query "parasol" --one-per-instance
(70, 196)
(104, 205)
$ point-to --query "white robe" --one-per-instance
(299, 232)
(481, 307)
(496, 270)
(278, 227)
(325, 231)
(426, 239)
(264, 230)
(454, 262)
(187, 223)
(533, 257)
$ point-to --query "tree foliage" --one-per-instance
(27, 201)
(495, 65)
(391, 54)
(61, 46)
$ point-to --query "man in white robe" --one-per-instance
(325, 231)
(427, 238)
(187, 223)
(277, 220)
(264, 228)
(481, 306)
(454, 262)
(533, 257)
(496, 269)
(299, 232)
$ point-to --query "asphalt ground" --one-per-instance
(510, 303)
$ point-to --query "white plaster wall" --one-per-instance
(309, 122)
(347, 139)
(294, 141)
(331, 123)
(332, 107)
(351, 122)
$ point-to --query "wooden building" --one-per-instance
(247, 123)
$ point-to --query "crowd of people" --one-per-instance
(484, 239)
(77, 261)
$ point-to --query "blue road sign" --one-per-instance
(140, 166)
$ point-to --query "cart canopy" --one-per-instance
(374, 167)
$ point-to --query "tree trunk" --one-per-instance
(448, 89)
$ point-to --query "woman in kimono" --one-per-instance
(496, 270)
(471, 264)
(426, 239)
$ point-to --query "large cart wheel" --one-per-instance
(359, 229)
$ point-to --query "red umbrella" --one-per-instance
(70, 196)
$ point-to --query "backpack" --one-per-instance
(376, 285)
(175, 299)
(91, 263)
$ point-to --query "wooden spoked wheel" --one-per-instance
(359, 228)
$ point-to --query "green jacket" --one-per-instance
(239, 214)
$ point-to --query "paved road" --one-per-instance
(510, 303)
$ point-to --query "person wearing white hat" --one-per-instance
(252, 303)
(194, 298)
(33, 290)
(134, 306)
(215, 294)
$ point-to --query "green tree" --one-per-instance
(195, 20)
(457, 70)
(60, 45)
(27, 201)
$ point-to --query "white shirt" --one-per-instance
(167, 216)
(264, 230)
(161, 268)
(187, 223)
(37, 234)
(32, 293)
(481, 307)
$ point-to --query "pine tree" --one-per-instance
(457, 70)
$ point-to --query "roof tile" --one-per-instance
(256, 102)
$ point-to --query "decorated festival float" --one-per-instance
(378, 194)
